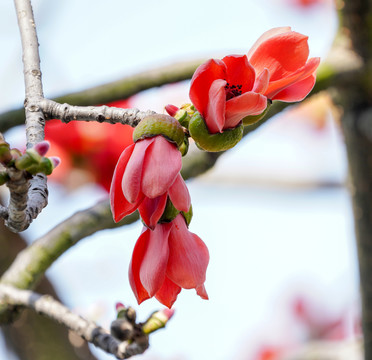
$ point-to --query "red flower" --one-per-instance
(166, 260)
(147, 173)
(281, 55)
(222, 91)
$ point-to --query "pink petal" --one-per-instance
(267, 35)
(297, 91)
(154, 258)
(179, 195)
(131, 182)
(250, 103)
(120, 207)
(282, 54)
(202, 80)
(167, 294)
(239, 71)
(151, 210)
(161, 166)
(188, 256)
(215, 118)
(302, 73)
(135, 265)
(262, 82)
(200, 290)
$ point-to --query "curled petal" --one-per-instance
(262, 82)
(281, 54)
(188, 256)
(131, 182)
(200, 290)
(179, 195)
(239, 71)
(215, 118)
(151, 210)
(168, 292)
(249, 103)
(202, 80)
(297, 91)
(120, 207)
(161, 166)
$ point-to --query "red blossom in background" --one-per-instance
(223, 92)
(166, 260)
(281, 56)
(147, 173)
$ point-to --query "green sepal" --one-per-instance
(187, 216)
(184, 148)
(160, 124)
(170, 212)
(213, 142)
(252, 119)
(5, 155)
(46, 166)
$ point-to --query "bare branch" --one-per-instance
(112, 115)
(88, 330)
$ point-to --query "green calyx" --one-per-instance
(170, 213)
(213, 142)
(252, 119)
(158, 124)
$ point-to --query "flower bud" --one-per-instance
(4, 177)
(121, 329)
(213, 142)
(157, 320)
(159, 124)
(42, 147)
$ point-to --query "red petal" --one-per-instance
(239, 71)
(277, 86)
(202, 80)
(167, 294)
(161, 166)
(131, 183)
(151, 210)
(188, 256)
(179, 195)
(215, 117)
(281, 54)
(200, 290)
(297, 91)
(250, 103)
(135, 265)
(155, 259)
(262, 82)
(120, 207)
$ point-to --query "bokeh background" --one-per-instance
(274, 212)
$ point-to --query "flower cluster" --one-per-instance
(226, 95)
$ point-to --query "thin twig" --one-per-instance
(88, 330)
(112, 115)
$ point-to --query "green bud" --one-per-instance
(5, 155)
(46, 166)
(213, 142)
(183, 117)
(4, 177)
(250, 120)
(184, 148)
(159, 124)
(26, 162)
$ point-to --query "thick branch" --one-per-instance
(112, 115)
(47, 306)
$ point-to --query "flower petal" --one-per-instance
(250, 103)
(151, 210)
(215, 117)
(120, 207)
(202, 80)
(188, 256)
(277, 86)
(179, 195)
(167, 294)
(131, 183)
(267, 35)
(239, 71)
(281, 54)
(262, 82)
(297, 91)
(200, 290)
(161, 166)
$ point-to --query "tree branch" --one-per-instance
(88, 330)
(112, 115)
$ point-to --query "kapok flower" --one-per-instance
(166, 260)
(222, 91)
(281, 56)
(147, 173)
